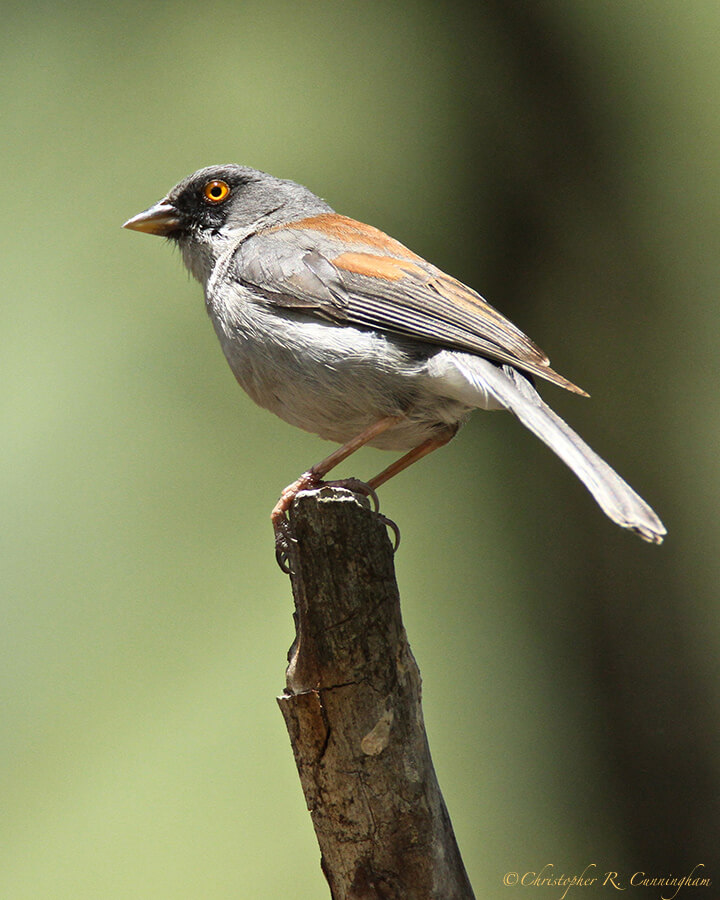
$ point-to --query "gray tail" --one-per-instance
(614, 496)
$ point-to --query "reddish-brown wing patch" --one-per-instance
(350, 231)
(388, 267)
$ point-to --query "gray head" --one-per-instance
(221, 205)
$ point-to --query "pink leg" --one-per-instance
(413, 456)
(314, 476)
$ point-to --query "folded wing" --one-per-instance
(348, 272)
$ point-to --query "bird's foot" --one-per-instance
(284, 538)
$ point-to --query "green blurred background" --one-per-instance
(561, 157)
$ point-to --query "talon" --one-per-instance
(283, 560)
(388, 523)
(283, 540)
(279, 517)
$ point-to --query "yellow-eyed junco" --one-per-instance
(344, 332)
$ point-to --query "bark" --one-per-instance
(353, 713)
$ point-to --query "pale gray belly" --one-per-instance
(332, 380)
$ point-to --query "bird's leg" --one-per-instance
(314, 476)
(412, 456)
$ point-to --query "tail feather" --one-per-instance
(515, 392)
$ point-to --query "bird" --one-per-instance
(341, 330)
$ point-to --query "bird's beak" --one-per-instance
(161, 219)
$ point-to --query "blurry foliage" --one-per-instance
(560, 157)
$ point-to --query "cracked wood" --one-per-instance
(353, 713)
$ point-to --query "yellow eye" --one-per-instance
(216, 191)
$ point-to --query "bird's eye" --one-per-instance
(216, 191)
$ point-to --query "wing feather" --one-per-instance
(350, 273)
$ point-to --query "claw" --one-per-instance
(283, 560)
(283, 541)
(388, 523)
(283, 534)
